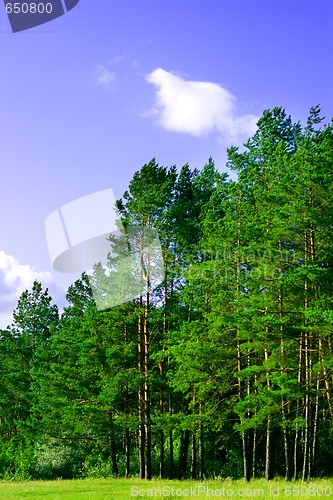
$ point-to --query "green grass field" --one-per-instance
(119, 489)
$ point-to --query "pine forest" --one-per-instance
(225, 368)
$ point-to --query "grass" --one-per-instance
(121, 489)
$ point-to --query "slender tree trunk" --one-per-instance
(128, 452)
(127, 445)
(255, 432)
(171, 471)
(201, 453)
(268, 465)
(162, 460)
(161, 364)
(314, 424)
(194, 458)
(148, 471)
(127, 436)
(330, 350)
(315, 427)
(254, 455)
(283, 367)
(307, 408)
(245, 444)
(184, 444)
(299, 378)
(141, 429)
(112, 445)
(286, 444)
(268, 450)
(245, 448)
(147, 418)
(326, 380)
(162, 440)
(162, 455)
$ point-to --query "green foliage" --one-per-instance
(225, 367)
(17, 459)
(58, 460)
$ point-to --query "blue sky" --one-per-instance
(88, 98)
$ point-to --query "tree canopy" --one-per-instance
(225, 368)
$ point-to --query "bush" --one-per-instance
(58, 461)
(97, 467)
(17, 460)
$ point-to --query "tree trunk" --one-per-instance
(162, 460)
(314, 437)
(194, 458)
(306, 448)
(286, 444)
(254, 455)
(112, 445)
(283, 367)
(184, 444)
(148, 448)
(147, 418)
(299, 378)
(161, 364)
(326, 380)
(127, 436)
(201, 453)
(146, 342)
(141, 429)
(268, 474)
(171, 470)
(268, 465)
(162, 440)
(128, 452)
(245, 448)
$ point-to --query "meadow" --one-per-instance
(121, 489)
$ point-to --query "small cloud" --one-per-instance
(118, 59)
(197, 108)
(104, 72)
(15, 278)
(135, 64)
(105, 77)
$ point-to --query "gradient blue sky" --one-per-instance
(88, 98)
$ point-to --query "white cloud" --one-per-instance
(104, 76)
(15, 278)
(104, 72)
(118, 59)
(197, 108)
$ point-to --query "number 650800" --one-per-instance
(25, 8)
